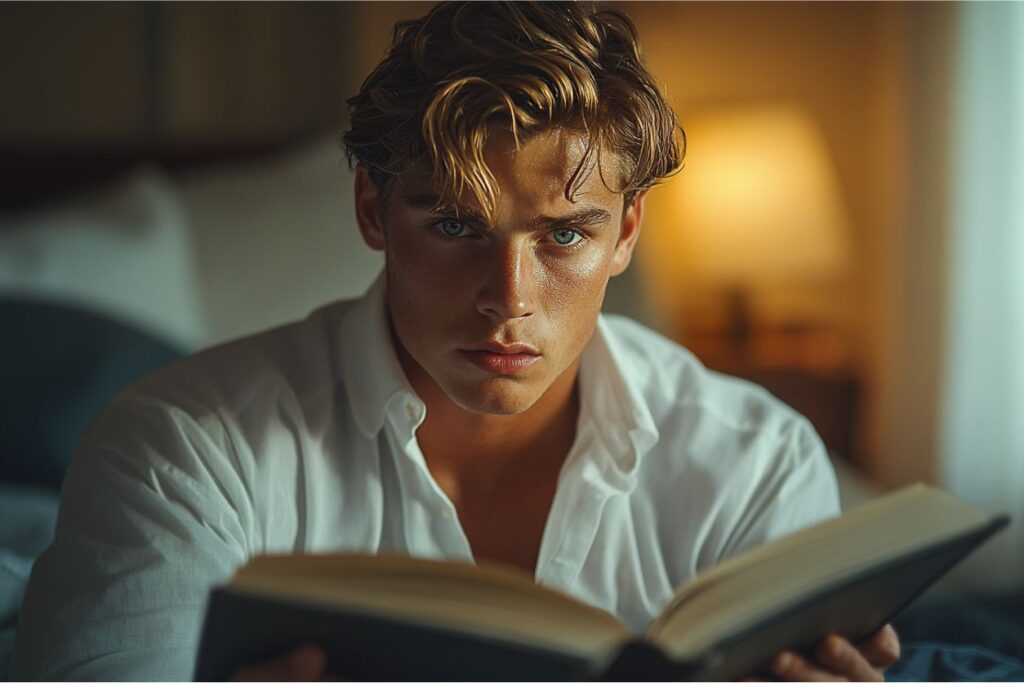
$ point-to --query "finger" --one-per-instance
(788, 666)
(836, 654)
(305, 663)
(882, 649)
(274, 670)
(268, 670)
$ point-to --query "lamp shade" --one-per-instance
(759, 201)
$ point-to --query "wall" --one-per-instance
(906, 316)
(151, 73)
(101, 98)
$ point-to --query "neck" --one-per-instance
(462, 447)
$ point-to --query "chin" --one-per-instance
(494, 398)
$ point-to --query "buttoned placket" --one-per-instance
(575, 516)
(446, 538)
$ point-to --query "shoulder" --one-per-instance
(235, 399)
(300, 357)
(743, 466)
(682, 394)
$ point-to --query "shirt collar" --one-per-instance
(612, 401)
(613, 404)
(373, 375)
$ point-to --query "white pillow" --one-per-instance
(122, 250)
(277, 238)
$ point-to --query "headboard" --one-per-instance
(34, 174)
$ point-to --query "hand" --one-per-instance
(836, 659)
(305, 663)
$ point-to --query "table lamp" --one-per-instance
(758, 205)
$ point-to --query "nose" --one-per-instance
(508, 290)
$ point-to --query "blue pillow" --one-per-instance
(28, 517)
(931, 661)
(59, 365)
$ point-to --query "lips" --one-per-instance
(502, 359)
(505, 349)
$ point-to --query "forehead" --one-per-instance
(534, 176)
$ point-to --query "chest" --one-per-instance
(504, 519)
(508, 526)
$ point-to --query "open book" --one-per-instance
(395, 618)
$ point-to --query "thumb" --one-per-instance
(306, 663)
(882, 649)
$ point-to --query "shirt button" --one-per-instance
(447, 514)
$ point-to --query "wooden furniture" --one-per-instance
(807, 369)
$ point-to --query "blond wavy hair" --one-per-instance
(450, 77)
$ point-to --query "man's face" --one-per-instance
(495, 315)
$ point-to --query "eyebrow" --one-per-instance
(430, 202)
(584, 218)
(578, 219)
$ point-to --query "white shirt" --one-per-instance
(302, 439)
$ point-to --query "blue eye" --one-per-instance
(452, 227)
(566, 237)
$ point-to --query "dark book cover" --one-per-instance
(241, 629)
(855, 607)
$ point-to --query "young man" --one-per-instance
(474, 404)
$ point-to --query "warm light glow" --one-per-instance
(759, 201)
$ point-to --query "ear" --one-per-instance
(369, 210)
(629, 232)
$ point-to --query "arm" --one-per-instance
(144, 531)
